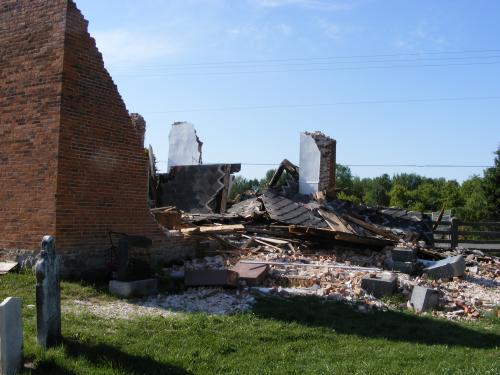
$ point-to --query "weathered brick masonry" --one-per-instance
(72, 159)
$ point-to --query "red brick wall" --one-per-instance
(31, 55)
(73, 164)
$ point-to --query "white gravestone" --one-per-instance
(11, 336)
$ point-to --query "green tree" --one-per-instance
(377, 191)
(400, 196)
(491, 185)
(475, 203)
(343, 177)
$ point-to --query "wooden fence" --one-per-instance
(476, 235)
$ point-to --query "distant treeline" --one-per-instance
(477, 198)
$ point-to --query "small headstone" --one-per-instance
(424, 299)
(11, 336)
(48, 295)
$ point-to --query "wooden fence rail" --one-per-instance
(482, 235)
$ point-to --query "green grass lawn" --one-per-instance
(297, 336)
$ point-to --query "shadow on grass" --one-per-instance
(50, 367)
(390, 325)
(108, 357)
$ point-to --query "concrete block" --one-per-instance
(11, 336)
(424, 299)
(128, 289)
(403, 254)
(211, 278)
(446, 268)
(404, 267)
(251, 274)
(380, 285)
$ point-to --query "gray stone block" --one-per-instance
(424, 299)
(403, 254)
(404, 267)
(128, 289)
(380, 285)
(446, 268)
(211, 278)
(11, 336)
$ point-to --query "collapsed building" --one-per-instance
(72, 162)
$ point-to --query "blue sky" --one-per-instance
(395, 82)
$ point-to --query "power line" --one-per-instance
(333, 104)
(234, 62)
(263, 64)
(373, 165)
(376, 67)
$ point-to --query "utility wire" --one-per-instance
(376, 67)
(333, 104)
(233, 62)
(370, 165)
(264, 65)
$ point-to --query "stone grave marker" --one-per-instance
(48, 295)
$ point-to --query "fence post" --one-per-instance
(454, 233)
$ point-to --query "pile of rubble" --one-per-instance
(296, 238)
(356, 277)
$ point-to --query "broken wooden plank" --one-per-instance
(373, 228)
(272, 240)
(334, 222)
(224, 242)
(340, 236)
(263, 242)
(439, 219)
(214, 229)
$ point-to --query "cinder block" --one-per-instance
(139, 288)
(424, 299)
(380, 285)
(252, 274)
(447, 268)
(404, 267)
(211, 278)
(403, 254)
